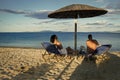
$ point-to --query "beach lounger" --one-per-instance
(100, 51)
(50, 50)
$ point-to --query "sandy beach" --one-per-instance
(29, 64)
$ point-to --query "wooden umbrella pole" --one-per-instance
(75, 37)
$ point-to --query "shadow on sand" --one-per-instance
(34, 73)
(107, 69)
(104, 70)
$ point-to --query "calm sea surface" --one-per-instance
(34, 39)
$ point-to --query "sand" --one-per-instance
(29, 64)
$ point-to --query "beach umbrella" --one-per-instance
(77, 11)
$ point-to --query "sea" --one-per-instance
(34, 39)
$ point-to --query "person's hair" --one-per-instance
(52, 38)
(89, 36)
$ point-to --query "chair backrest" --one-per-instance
(51, 48)
(102, 49)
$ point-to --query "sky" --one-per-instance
(32, 16)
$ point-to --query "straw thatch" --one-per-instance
(77, 11)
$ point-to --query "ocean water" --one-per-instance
(34, 39)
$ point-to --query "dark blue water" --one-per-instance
(34, 39)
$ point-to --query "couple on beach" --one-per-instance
(93, 46)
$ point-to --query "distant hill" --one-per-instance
(50, 31)
(118, 31)
(47, 31)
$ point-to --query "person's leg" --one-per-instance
(63, 51)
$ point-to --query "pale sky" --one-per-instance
(31, 16)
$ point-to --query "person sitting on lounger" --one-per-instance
(92, 44)
(93, 47)
(58, 44)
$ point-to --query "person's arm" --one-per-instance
(96, 42)
(60, 45)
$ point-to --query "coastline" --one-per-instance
(18, 63)
(34, 39)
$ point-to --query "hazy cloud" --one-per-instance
(113, 11)
(13, 11)
(114, 18)
(43, 14)
(39, 14)
(99, 0)
(45, 22)
(113, 6)
(97, 23)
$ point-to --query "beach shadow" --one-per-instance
(59, 77)
(110, 69)
(34, 73)
(106, 70)
(84, 71)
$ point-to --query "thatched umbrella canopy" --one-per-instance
(77, 11)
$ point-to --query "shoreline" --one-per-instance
(29, 64)
(20, 47)
(41, 48)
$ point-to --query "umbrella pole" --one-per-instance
(75, 42)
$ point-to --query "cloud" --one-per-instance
(114, 18)
(45, 22)
(113, 5)
(113, 11)
(97, 23)
(42, 14)
(99, 0)
(38, 14)
(13, 11)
